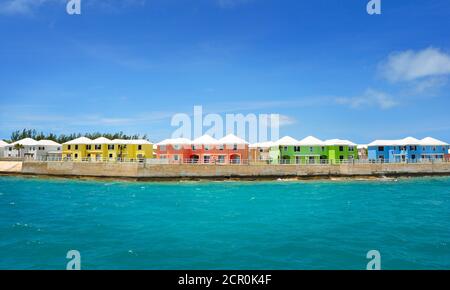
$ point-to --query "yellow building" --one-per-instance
(75, 149)
(103, 149)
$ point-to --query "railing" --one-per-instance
(229, 162)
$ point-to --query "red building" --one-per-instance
(174, 150)
(204, 150)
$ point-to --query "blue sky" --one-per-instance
(327, 67)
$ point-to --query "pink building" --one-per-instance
(204, 150)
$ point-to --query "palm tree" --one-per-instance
(19, 148)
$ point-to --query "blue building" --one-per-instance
(407, 150)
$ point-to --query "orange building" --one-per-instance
(204, 150)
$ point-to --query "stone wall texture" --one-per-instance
(149, 171)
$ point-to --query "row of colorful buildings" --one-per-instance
(230, 150)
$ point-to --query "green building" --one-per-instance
(341, 150)
(311, 150)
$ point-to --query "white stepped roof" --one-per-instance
(267, 144)
(402, 142)
(232, 139)
(339, 142)
(81, 140)
(311, 141)
(175, 141)
(25, 142)
(101, 140)
(362, 146)
(287, 141)
(428, 141)
(205, 140)
(47, 143)
(3, 143)
(130, 142)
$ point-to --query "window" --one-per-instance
(221, 159)
(351, 148)
(380, 148)
(68, 147)
(285, 148)
(76, 147)
(311, 149)
(221, 147)
(206, 159)
(76, 155)
(341, 157)
(176, 157)
(323, 149)
(413, 148)
(163, 147)
(139, 147)
(235, 147)
(98, 147)
(176, 147)
(341, 148)
(88, 147)
(434, 148)
(194, 147)
(207, 147)
(110, 156)
(413, 156)
(296, 148)
(110, 147)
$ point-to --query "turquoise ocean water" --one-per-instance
(225, 225)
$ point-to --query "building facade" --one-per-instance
(31, 149)
(103, 149)
(407, 150)
(260, 152)
(341, 150)
(3, 144)
(204, 150)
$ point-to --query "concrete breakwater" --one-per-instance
(141, 171)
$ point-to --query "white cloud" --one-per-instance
(24, 7)
(370, 98)
(412, 65)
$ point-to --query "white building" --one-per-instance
(32, 149)
(2, 148)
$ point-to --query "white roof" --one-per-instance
(205, 140)
(286, 141)
(401, 142)
(25, 142)
(267, 144)
(232, 139)
(47, 143)
(175, 141)
(81, 140)
(130, 142)
(432, 142)
(311, 141)
(363, 146)
(339, 142)
(100, 140)
(3, 143)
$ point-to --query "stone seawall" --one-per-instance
(148, 171)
